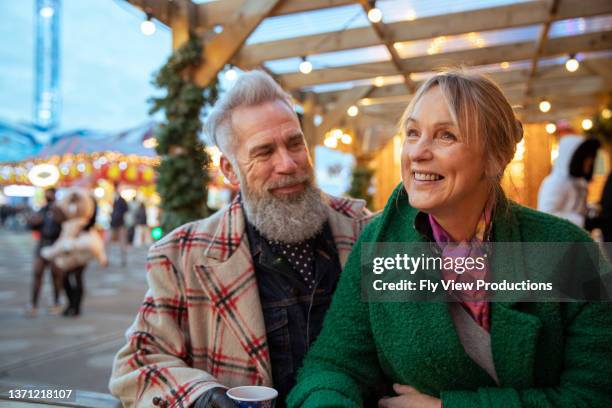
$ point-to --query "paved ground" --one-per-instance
(73, 353)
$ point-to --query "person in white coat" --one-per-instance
(564, 191)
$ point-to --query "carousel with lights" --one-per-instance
(99, 163)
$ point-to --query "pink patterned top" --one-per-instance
(472, 300)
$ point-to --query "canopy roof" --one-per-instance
(523, 45)
(17, 142)
(85, 141)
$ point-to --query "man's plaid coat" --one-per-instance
(201, 324)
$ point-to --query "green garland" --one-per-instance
(362, 177)
(182, 176)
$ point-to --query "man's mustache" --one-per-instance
(289, 181)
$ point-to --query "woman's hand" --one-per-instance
(408, 397)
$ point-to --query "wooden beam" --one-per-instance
(493, 18)
(162, 10)
(501, 77)
(404, 98)
(308, 126)
(182, 19)
(559, 98)
(601, 67)
(224, 45)
(561, 101)
(543, 37)
(384, 35)
(221, 12)
(539, 117)
(597, 41)
(569, 86)
(300, 6)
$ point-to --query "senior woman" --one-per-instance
(459, 135)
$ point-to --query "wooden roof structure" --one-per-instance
(527, 69)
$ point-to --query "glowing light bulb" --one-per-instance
(305, 66)
(545, 106)
(331, 142)
(346, 139)
(336, 133)
(352, 111)
(150, 143)
(572, 64)
(379, 81)
(148, 27)
(587, 124)
(375, 15)
(551, 128)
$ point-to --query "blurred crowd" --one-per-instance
(69, 238)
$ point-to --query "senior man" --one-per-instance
(238, 298)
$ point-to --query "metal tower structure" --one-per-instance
(47, 92)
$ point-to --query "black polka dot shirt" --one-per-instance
(300, 256)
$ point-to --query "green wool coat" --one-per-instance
(545, 354)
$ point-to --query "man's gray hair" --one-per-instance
(252, 88)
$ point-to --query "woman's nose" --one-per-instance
(420, 149)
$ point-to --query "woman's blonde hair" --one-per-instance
(481, 112)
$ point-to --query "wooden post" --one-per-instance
(308, 126)
(180, 24)
(387, 171)
(538, 145)
(222, 48)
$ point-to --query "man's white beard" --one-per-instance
(292, 218)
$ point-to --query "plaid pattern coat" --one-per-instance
(201, 324)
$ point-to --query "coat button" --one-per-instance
(164, 404)
(156, 400)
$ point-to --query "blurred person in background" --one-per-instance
(141, 227)
(564, 191)
(77, 245)
(130, 219)
(4, 212)
(603, 220)
(118, 229)
(47, 222)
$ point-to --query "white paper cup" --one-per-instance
(253, 396)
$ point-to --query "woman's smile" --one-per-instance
(426, 177)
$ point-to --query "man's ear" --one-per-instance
(228, 171)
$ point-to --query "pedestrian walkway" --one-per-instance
(71, 353)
